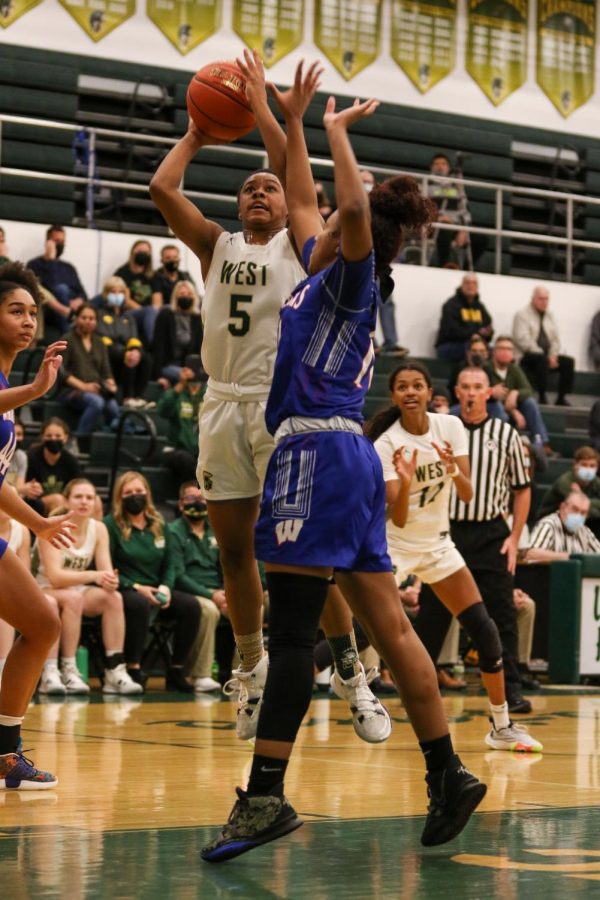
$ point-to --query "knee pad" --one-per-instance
(482, 630)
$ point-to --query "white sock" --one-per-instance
(51, 665)
(11, 721)
(68, 662)
(500, 715)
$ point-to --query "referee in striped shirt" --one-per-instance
(479, 528)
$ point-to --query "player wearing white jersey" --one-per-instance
(422, 455)
(248, 276)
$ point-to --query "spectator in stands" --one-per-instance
(525, 606)
(511, 387)
(595, 425)
(60, 278)
(90, 387)
(4, 257)
(141, 552)
(118, 329)
(82, 580)
(325, 204)
(594, 339)
(440, 401)
(167, 275)
(582, 478)
(450, 248)
(137, 274)
(535, 334)
(463, 315)
(178, 332)
(180, 406)
(50, 466)
(564, 532)
(477, 355)
(198, 571)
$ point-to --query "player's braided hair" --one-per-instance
(380, 422)
(397, 205)
(15, 276)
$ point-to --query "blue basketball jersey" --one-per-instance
(8, 441)
(325, 352)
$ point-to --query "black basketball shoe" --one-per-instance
(454, 793)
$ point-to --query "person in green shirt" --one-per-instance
(195, 556)
(140, 547)
(581, 477)
(180, 406)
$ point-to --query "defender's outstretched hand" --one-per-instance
(57, 530)
(294, 102)
(48, 371)
(347, 117)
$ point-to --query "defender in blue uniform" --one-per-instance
(22, 603)
(323, 507)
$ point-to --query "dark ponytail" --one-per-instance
(15, 276)
(397, 204)
(380, 422)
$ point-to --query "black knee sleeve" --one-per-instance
(483, 632)
(295, 606)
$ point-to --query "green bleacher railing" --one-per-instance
(92, 183)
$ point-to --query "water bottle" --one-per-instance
(82, 660)
(458, 670)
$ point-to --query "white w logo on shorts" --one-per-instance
(288, 530)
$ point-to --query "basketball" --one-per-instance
(216, 101)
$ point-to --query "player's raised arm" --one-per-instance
(183, 216)
(352, 200)
(271, 132)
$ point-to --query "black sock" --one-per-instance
(176, 680)
(9, 738)
(438, 753)
(114, 660)
(136, 675)
(266, 776)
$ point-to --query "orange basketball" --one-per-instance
(217, 103)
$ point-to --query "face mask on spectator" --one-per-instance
(574, 521)
(59, 248)
(19, 445)
(185, 302)
(586, 473)
(53, 445)
(115, 299)
(141, 258)
(134, 504)
(195, 510)
(171, 265)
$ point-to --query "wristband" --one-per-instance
(454, 472)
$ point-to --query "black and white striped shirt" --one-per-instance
(550, 534)
(497, 469)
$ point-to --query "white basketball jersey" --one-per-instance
(430, 487)
(246, 287)
(76, 559)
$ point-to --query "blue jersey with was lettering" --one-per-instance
(8, 441)
(325, 353)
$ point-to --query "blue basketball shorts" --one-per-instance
(324, 504)
(3, 546)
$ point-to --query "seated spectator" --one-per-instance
(325, 205)
(50, 466)
(463, 315)
(4, 254)
(564, 532)
(525, 606)
(118, 329)
(178, 332)
(440, 401)
(164, 280)
(198, 571)
(477, 355)
(595, 425)
(451, 247)
(511, 387)
(594, 346)
(582, 478)
(536, 336)
(60, 278)
(180, 406)
(80, 590)
(89, 386)
(141, 551)
(137, 274)
(17, 470)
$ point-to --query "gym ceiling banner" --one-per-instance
(347, 31)
(566, 38)
(497, 46)
(186, 23)
(99, 17)
(424, 40)
(11, 10)
(273, 27)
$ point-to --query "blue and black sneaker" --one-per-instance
(253, 821)
(454, 793)
(17, 773)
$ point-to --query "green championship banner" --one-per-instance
(273, 27)
(99, 17)
(186, 23)
(11, 10)
(565, 51)
(423, 40)
(347, 31)
(497, 46)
